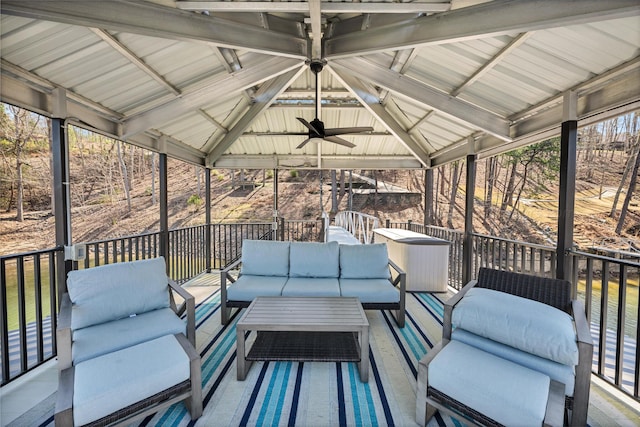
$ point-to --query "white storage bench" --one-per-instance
(153, 374)
(462, 379)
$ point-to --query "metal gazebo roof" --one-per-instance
(220, 83)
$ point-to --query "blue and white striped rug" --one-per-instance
(313, 394)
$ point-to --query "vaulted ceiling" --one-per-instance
(221, 83)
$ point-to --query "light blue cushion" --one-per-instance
(312, 259)
(556, 371)
(504, 391)
(311, 287)
(115, 291)
(265, 258)
(530, 326)
(248, 287)
(107, 337)
(370, 290)
(364, 261)
(116, 380)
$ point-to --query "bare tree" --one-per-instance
(24, 127)
(125, 175)
(334, 192)
(454, 191)
(630, 190)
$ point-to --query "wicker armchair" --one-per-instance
(553, 292)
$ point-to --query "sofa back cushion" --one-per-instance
(522, 323)
(312, 259)
(115, 291)
(265, 258)
(364, 261)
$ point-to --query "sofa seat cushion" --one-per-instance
(248, 287)
(311, 287)
(370, 290)
(556, 371)
(364, 261)
(481, 380)
(115, 291)
(97, 340)
(313, 259)
(528, 325)
(265, 258)
(116, 380)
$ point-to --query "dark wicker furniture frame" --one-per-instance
(554, 292)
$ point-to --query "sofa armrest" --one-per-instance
(401, 281)
(189, 305)
(64, 333)
(449, 305)
(225, 274)
(583, 369)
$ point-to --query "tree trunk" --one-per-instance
(125, 177)
(627, 199)
(342, 188)
(20, 184)
(334, 192)
(625, 173)
(154, 160)
(507, 199)
(454, 192)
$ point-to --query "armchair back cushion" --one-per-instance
(364, 261)
(265, 258)
(312, 259)
(527, 325)
(115, 291)
(554, 292)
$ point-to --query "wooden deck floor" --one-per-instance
(30, 399)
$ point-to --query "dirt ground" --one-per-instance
(299, 198)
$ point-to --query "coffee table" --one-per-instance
(304, 329)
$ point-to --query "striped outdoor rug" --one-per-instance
(313, 394)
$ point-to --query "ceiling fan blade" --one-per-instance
(342, 131)
(340, 141)
(308, 125)
(303, 143)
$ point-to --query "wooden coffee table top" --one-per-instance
(304, 314)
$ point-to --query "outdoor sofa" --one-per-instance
(124, 349)
(313, 269)
(513, 345)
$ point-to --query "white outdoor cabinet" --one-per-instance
(425, 259)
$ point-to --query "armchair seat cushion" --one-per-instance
(527, 325)
(97, 340)
(108, 383)
(248, 287)
(370, 290)
(311, 287)
(502, 390)
(556, 371)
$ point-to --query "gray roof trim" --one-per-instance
(488, 19)
(159, 21)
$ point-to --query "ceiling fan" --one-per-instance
(316, 127)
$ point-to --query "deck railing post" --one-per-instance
(207, 214)
(467, 248)
(164, 210)
(568, 147)
(61, 195)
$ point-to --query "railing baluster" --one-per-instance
(604, 298)
(37, 283)
(622, 302)
(4, 323)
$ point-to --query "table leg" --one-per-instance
(364, 354)
(241, 360)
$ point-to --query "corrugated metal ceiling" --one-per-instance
(164, 74)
